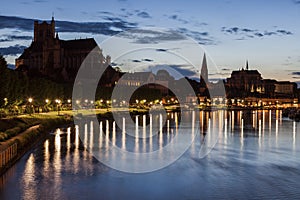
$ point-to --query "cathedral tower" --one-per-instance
(44, 31)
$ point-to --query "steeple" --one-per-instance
(204, 71)
(247, 66)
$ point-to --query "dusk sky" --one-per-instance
(266, 33)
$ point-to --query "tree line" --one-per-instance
(17, 87)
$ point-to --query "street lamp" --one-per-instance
(45, 109)
(30, 101)
(57, 101)
(5, 101)
(69, 104)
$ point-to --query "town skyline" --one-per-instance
(267, 40)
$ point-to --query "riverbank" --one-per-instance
(20, 134)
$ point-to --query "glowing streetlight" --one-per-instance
(47, 100)
(57, 101)
(30, 106)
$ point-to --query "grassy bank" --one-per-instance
(11, 127)
(25, 131)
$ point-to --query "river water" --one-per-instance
(233, 155)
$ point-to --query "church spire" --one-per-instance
(204, 71)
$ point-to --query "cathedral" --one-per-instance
(55, 58)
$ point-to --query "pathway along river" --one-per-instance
(256, 157)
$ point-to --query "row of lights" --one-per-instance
(58, 101)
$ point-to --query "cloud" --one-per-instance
(269, 33)
(181, 70)
(146, 36)
(147, 60)
(296, 2)
(191, 21)
(12, 50)
(296, 73)
(176, 17)
(173, 17)
(143, 14)
(259, 34)
(60, 9)
(201, 37)
(104, 28)
(16, 22)
(142, 60)
(284, 32)
(253, 33)
(226, 69)
(114, 64)
(40, 1)
(8, 38)
(162, 50)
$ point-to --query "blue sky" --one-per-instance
(267, 33)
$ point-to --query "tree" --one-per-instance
(4, 80)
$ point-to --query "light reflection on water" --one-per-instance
(256, 156)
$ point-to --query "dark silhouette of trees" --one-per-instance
(17, 86)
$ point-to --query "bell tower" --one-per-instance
(44, 31)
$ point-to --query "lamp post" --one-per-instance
(45, 107)
(30, 106)
(57, 101)
(69, 104)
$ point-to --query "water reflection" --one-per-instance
(29, 179)
(213, 126)
(57, 161)
(248, 141)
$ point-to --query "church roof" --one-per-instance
(88, 44)
(34, 47)
(246, 72)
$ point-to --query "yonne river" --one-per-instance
(233, 155)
